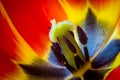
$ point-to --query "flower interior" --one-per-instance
(66, 48)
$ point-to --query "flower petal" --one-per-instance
(106, 11)
(57, 58)
(43, 69)
(107, 55)
(114, 74)
(75, 10)
(107, 14)
(19, 33)
(94, 33)
(51, 11)
(30, 22)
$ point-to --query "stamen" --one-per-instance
(86, 53)
(70, 45)
(57, 52)
(60, 57)
(71, 33)
(65, 46)
(78, 61)
(82, 36)
(71, 69)
(56, 45)
(83, 39)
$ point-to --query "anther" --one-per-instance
(70, 45)
(82, 36)
(83, 39)
(60, 57)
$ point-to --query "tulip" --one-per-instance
(82, 42)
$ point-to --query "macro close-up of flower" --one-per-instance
(59, 39)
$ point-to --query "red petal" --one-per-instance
(53, 10)
(30, 21)
(114, 75)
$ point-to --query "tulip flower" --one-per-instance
(59, 40)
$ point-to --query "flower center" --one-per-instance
(66, 49)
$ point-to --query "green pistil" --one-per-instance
(59, 29)
(68, 52)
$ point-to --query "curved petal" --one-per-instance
(114, 74)
(43, 70)
(22, 35)
(30, 22)
(107, 13)
(94, 33)
(51, 11)
(4, 63)
(107, 55)
(75, 10)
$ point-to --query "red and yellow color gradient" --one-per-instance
(24, 28)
